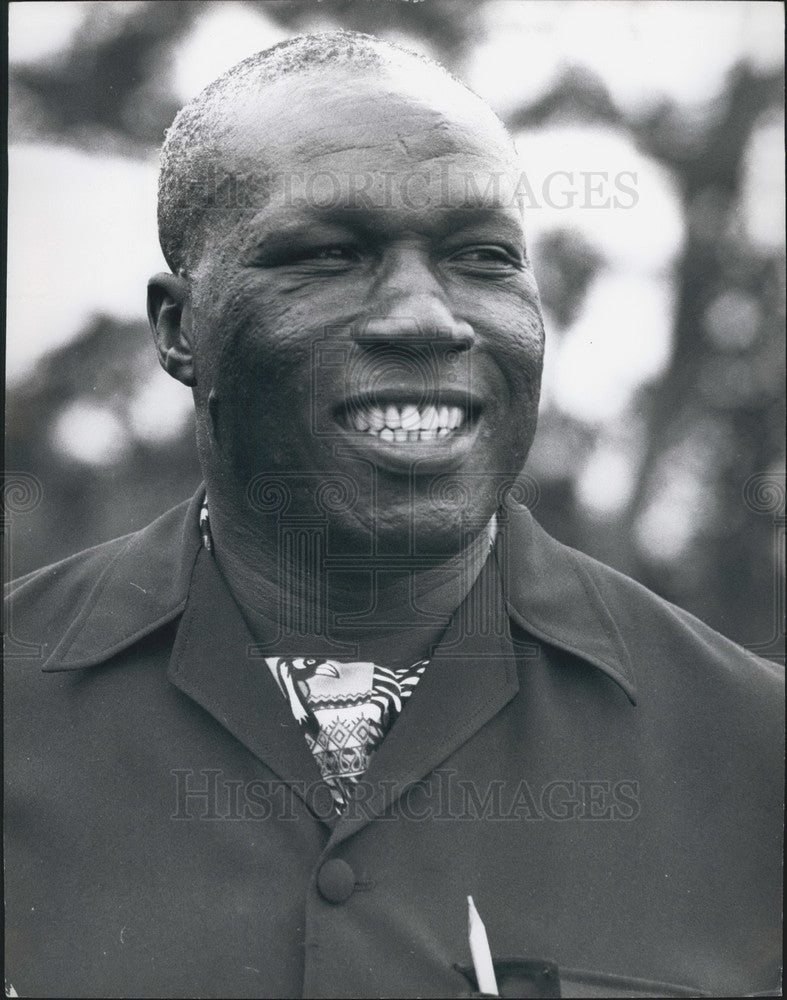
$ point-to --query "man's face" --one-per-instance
(372, 321)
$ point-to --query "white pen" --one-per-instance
(479, 949)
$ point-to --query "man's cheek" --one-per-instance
(238, 397)
(233, 304)
(511, 321)
(257, 354)
(520, 362)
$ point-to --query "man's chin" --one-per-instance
(359, 510)
(427, 529)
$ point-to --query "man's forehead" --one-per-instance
(304, 117)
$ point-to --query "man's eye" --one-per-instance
(486, 258)
(330, 256)
(327, 255)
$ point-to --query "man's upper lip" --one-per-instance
(420, 398)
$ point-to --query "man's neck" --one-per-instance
(299, 600)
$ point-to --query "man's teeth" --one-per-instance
(409, 423)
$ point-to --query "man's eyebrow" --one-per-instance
(372, 221)
(286, 224)
(459, 218)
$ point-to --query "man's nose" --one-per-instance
(408, 303)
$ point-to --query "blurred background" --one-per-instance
(652, 142)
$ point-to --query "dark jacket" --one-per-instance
(602, 773)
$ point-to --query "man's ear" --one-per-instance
(167, 298)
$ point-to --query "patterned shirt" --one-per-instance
(344, 709)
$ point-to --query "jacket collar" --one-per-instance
(550, 591)
(144, 586)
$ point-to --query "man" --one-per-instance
(280, 735)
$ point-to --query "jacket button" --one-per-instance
(336, 881)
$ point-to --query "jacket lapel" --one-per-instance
(471, 676)
(213, 661)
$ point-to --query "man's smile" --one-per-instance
(435, 433)
(409, 423)
(402, 417)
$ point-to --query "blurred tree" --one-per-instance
(448, 27)
(722, 397)
(117, 58)
(72, 426)
(715, 417)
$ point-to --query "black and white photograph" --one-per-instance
(394, 499)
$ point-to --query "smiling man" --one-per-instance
(282, 733)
